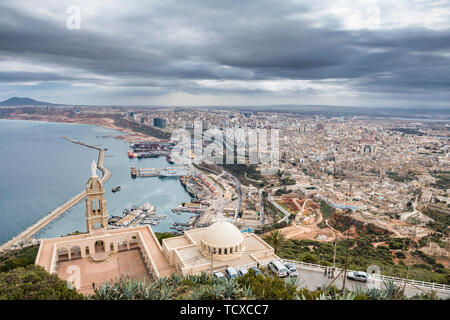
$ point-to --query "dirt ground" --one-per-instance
(303, 232)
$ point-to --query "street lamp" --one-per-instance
(346, 255)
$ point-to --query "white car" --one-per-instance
(219, 275)
(231, 273)
(278, 268)
(358, 276)
(292, 271)
(242, 271)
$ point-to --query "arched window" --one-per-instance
(225, 251)
(220, 250)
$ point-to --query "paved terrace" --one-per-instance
(47, 255)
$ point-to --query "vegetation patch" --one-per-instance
(362, 254)
(163, 235)
(18, 258)
(326, 209)
(442, 180)
(34, 283)
(441, 220)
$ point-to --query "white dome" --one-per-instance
(222, 234)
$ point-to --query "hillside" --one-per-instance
(16, 101)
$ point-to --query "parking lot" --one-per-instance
(316, 279)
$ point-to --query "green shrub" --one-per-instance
(18, 258)
(267, 287)
(310, 258)
(34, 283)
(163, 235)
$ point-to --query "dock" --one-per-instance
(158, 172)
(190, 210)
(106, 174)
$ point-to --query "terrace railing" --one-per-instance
(378, 277)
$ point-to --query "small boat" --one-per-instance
(169, 159)
(154, 223)
(115, 189)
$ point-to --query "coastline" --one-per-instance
(129, 135)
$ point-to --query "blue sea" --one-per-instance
(39, 171)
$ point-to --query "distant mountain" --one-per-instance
(15, 101)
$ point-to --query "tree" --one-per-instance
(34, 283)
(18, 258)
(276, 239)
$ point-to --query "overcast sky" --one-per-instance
(212, 52)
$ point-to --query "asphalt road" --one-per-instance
(313, 279)
(283, 210)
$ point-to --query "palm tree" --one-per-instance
(276, 239)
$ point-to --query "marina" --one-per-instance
(180, 227)
(136, 216)
(180, 209)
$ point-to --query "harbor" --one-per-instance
(162, 193)
(122, 192)
(173, 171)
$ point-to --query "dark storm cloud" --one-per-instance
(32, 76)
(170, 45)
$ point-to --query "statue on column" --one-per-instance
(94, 169)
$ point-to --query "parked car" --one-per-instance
(242, 271)
(358, 276)
(255, 270)
(231, 273)
(219, 275)
(278, 268)
(292, 271)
